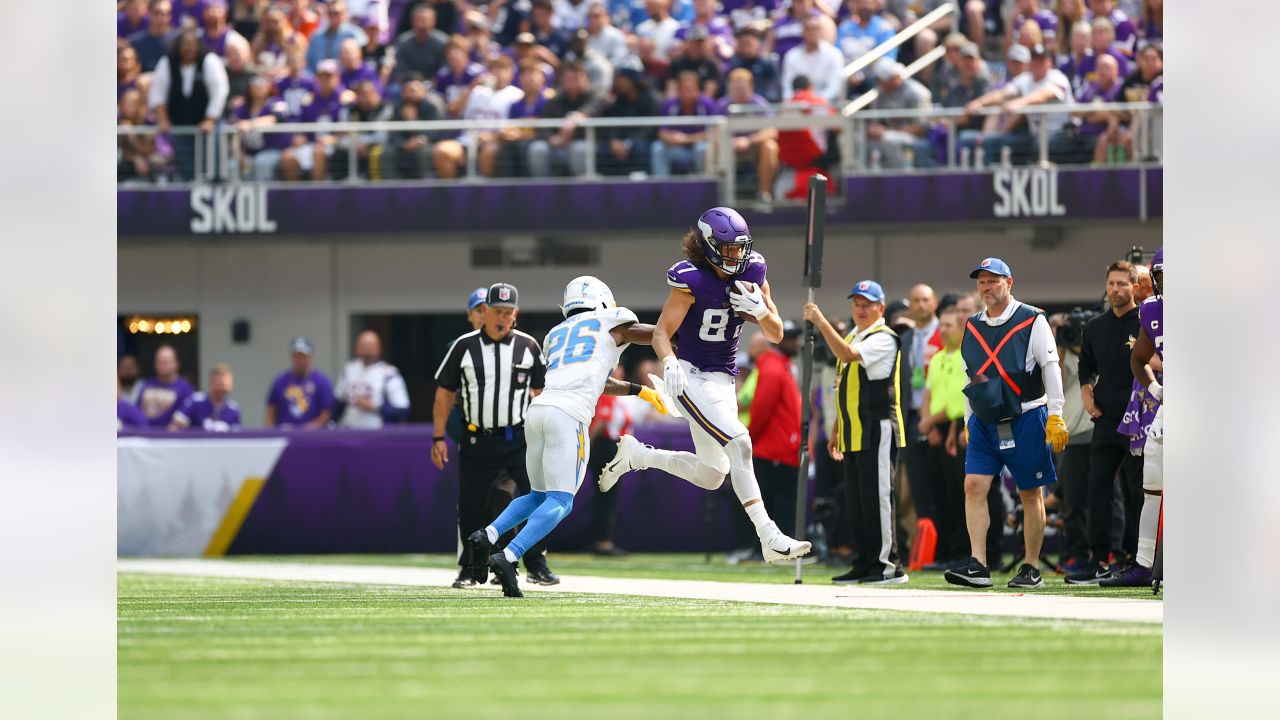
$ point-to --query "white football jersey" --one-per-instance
(580, 355)
(380, 383)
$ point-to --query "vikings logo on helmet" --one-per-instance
(721, 228)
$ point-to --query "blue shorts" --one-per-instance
(1029, 461)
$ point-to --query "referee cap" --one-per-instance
(995, 266)
(503, 295)
(478, 297)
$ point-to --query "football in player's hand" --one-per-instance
(735, 290)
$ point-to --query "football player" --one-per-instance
(581, 353)
(720, 282)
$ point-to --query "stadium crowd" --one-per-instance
(196, 65)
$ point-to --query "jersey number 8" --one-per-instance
(714, 324)
(569, 344)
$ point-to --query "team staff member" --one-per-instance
(868, 432)
(1013, 412)
(495, 371)
(775, 427)
(942, 406)
(1106, 383)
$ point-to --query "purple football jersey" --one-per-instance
(744, 12)
(158, 400)
(1047, 21)
(787, 33)
(1157, 91)
(702, 107)
(451, 86)
(296, 91)
(323, 109)
(708, 335)
(1088, 68)
(350, 77)
(124, 28)
(255, 141)
(128, 415)
(1151, 318)
(199, 413)
(1089, 94)
(298, 401)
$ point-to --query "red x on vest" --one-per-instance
(992, 354)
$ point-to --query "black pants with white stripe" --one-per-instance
(872, 502)
(482, 461)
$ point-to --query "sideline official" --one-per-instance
(1013, 412)
(495, 371)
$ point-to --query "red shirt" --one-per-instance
(775, 411)
(612, 417)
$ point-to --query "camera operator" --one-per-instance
(1105, 384)
(1073, 462)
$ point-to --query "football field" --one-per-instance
(380, 637)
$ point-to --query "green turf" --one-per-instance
(695, 567)
(197, 648)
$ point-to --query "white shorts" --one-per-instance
(710, 405)
(556, 449)
(305, 156)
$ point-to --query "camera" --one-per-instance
(1072, 330)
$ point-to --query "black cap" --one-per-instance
(1039, 50)
(790, 329)
(503, 295)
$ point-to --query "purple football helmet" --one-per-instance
(1157, 273)
(721, 227)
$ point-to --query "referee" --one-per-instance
(495, 371)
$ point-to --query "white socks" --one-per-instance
(510, 556)
(684, 465)
(1148, 526)
(492, 533)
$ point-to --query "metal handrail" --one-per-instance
(903, 35)
(873, 94)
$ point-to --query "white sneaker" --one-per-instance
(624, 462)
(780, 548)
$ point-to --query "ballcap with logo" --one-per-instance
(995, 266)
(869, 289)
(301, 345)
(503, 295)
(478, 297)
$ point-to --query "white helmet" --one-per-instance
(586, 291)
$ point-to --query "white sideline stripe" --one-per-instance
(1028, 605)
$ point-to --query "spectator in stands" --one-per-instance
(766, 78)
(1042, 84)
(480, 33)
(1025, 11)
(163, 394)
(660, 28)
(490, 99)
(245, 16)
(127, 414)
(859, 35)
(372, 391)
(157, 40)
(377, 54)
(718, 30)
(788, 31)
(1137, 86)
(303, 19)
(606, 39)
(1152, 25)
(747, 13)
(366, 13)
(352, 67)
(297, 87)
(326, 105)
(817, 60)
(421, 49)
(273, 43)
(976, 20)
(128, 378)
(236, 60)
(216, 30)
(758, 148)
(145, 156)
(212, 410)
(1124, 35)
(972, 81)
(697, 56)
(625, 150)
(564, 150)
(1103, 43)
(301, 397)
(939, 75)
(1030, 35)
(369, 107)
(1078, 52)
(514, 152)
(1070, 14)
(260, 153)
(189, 14)
(327, 40)
(128, 73)
(407, 153)
(188, 89)
(571, 15)
(527, 49)
(599, 69)
(1100, 129)
(683, 147)
(901, 142)
(132, 20)
(455, 79)
(545, 30)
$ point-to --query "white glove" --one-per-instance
(673, 377)
(1156, 390)
(749, 301)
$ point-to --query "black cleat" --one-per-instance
(478, 546)
(505, 572)
(465, 579)
(1028, 578)
(1090, 574)
(541, 575)
(969, 573)
(495, 581)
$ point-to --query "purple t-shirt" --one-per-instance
(323, 109)
(1093, 92)
(1047, 21)
(128, 415)
(671, 107)
(523, 110)
(451, 86)
(124, 28)
(788, 33)
(217, 45)
(158, 400)
(298, 401)
(199, 413)
(708, 336)
(296, 91)
(744, 12)
(755, 107)
(717, 26)
(1157, 90)
(253, 142)
(364, 72)
(1089, 66)
(1072, 69)
(1126, 33)
(182, 10)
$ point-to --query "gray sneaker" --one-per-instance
(1028, 578)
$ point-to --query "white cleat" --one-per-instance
(780, 548)
(625, 461)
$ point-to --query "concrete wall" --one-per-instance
(294, 286)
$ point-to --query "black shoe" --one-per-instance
(1091, 574)
(853, 577)
(478, 546)
(541, 575)
(465, 579)
(505, 573)
(970, 573)
(610, 551)
(898, 578)
(1028, 578)
(495, 581)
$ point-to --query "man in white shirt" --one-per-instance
(660, 28)
(1013, 418)
(372, 390)
(489, 99)
(818, 60)
(1042, 84)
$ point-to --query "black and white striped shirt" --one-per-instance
(493, 378)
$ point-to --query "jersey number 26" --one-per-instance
(571, 344)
